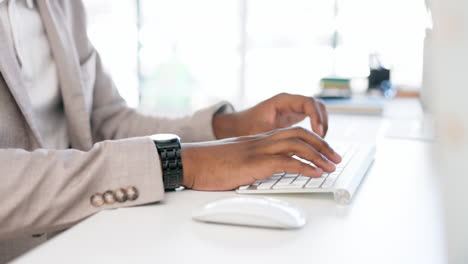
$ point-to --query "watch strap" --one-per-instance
(171, 163)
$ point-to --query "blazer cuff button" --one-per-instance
(109, 197)
(97, 200)
(132, 193)
(120, 195)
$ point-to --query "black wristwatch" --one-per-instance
(169, 150)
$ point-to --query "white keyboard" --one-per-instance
(342, 183)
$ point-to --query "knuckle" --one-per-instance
(302, 168)
(283, 132)
(299, 130)
(288, 144)
(320, 102)
(294, 142)
(274, 134)
(279, 162)
(252, 148)
(317, 159)
(313, 103)
(324, 145)
(251, 158)
(282, 94)
(277, 143)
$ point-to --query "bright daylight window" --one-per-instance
(191, 53)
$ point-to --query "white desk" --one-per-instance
(394, 218)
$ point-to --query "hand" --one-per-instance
(227, 164)
(280, 111)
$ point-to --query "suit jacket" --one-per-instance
(45, 190)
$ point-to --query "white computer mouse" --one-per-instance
(252, 211)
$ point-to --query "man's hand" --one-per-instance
(227, 164)
(280, 111)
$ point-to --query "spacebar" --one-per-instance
(294, 185)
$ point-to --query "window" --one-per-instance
(185, 54)
(113, 31)
(190, 54)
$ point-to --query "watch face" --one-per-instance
(164, 137)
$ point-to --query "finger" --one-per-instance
(313, 111)
(310, 138)
(288, 164)
(295, 146)
(303, 105)
(289, 119)
(323, 111)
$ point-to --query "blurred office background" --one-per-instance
(177, 56)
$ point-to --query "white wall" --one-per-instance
(445, 78)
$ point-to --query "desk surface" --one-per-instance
(394, 218)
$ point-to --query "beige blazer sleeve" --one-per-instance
(112, 119)
(47, 190)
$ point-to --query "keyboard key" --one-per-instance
(300, 183)
(284, 181)
(300, 177)
(244, 187)
(253, 187)
(325, 175)
(290, 175)
(287, 183)
(344, 162)
(340, 169)
(274, 178)
(279, 174)
(266, 185)
(287, 186)
(330, 181)
(314, 183)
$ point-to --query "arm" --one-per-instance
(49, 190)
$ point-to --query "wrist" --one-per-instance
(225, 125)
(188, 163)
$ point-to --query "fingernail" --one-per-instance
(331, 166)
(320, 128)
(319, 172)
(337, 157)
